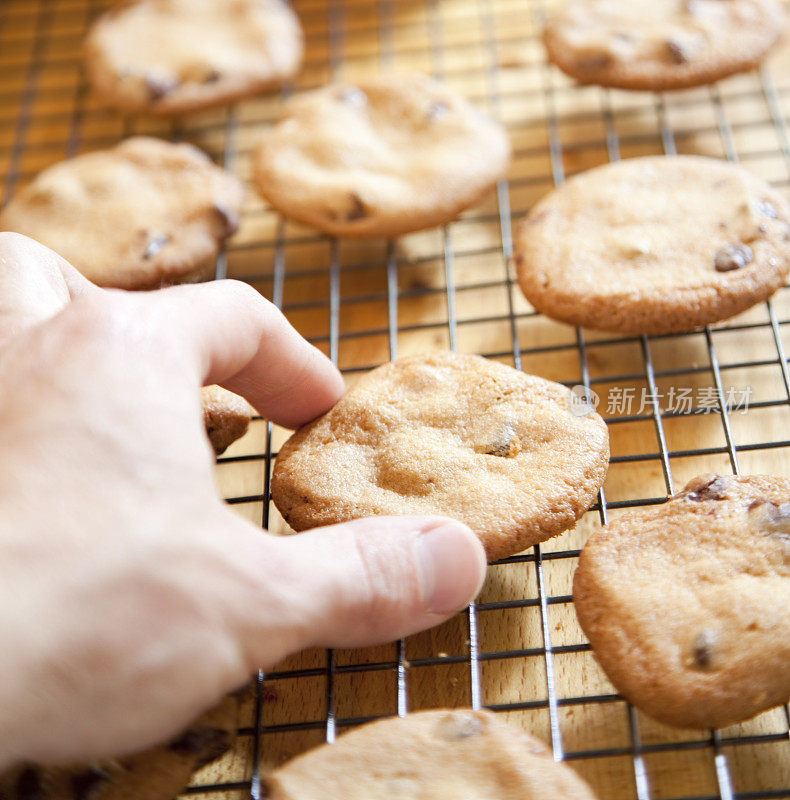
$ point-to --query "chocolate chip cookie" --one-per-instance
(687, 604)
(381, 157)
(137, 216)
(672, 44)
(654, 245)
(174, 56)
(226, 416)
(455, 435)
(431, 755)
(156, 774)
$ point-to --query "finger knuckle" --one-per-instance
(242, 294)
(12, 241)
(387, 580)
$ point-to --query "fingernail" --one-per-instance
(452, 565)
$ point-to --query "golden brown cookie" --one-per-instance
(136, 216)
(174, 56)
(455, 435)
(431, 755)
(226, 416)
(381, 157)
(156, 774)
(670, 44)
(687, 604)
(654, 245)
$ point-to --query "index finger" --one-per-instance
(241, 341)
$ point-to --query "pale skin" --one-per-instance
(131, 597)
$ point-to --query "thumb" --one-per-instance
(357, 584)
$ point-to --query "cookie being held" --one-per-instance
(381, 157)
(687, 604)
(672, 44)
(454, 435)
(137, 216)
(431, 755)
(226, 416)
(653, 245)
(159, 773)
(165, 57)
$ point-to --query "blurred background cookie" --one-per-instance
(226, 416)
(139, 215)
(159, 773)
(174, 56)
(664, 44)
(381, 157)
(686, 604)
(654, 245)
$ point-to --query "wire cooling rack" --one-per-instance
(676, 405)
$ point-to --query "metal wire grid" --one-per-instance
(338, 15)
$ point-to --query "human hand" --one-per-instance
(132, 597)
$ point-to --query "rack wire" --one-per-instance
(518, 650)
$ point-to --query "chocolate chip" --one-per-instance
(453, 728)
(212, 77)
(155, 245)
(159, 87)
(593, 62)
(437, 110)
(770, 516)
(713, 489)
(357, 209)
(354, 97)
(503, 443)
(89, 784)
(29, 784)
(534, 217)
(733, 256)
(680, 52)
(767, 209)
(779, 514)
(229, 220)
(703, 648)
(205, 744)
(784, 541)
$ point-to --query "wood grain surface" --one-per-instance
(364, 303)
